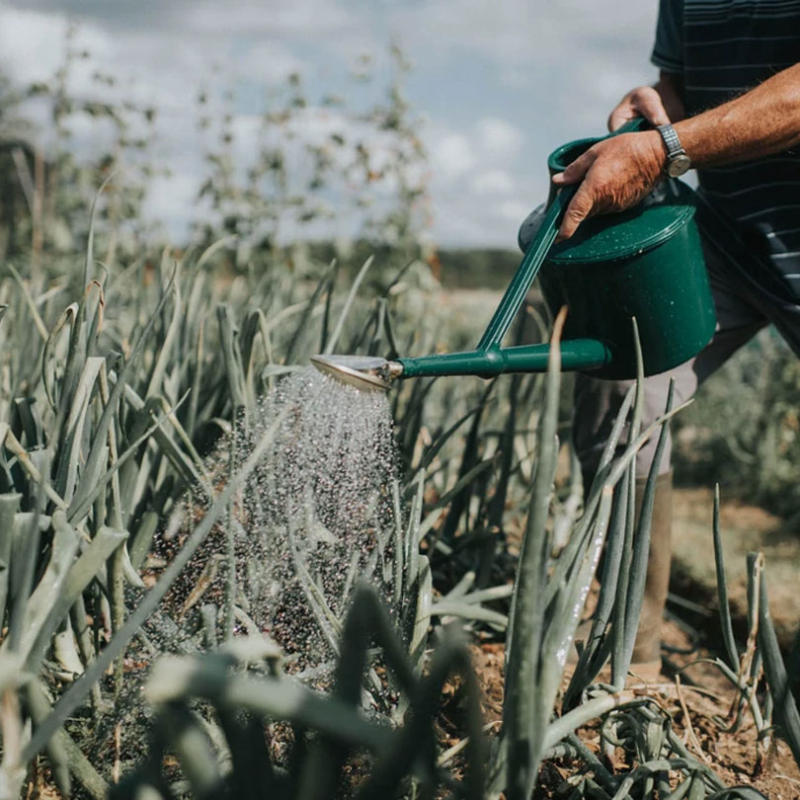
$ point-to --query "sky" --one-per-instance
(497, 85)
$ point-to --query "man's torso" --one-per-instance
(728, 47)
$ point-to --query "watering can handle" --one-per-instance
(535, 255)
(634, 125)
(527, 271)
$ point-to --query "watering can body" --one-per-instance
(646, 263)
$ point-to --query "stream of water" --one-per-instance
(318, 513)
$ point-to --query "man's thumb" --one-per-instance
(648, 103)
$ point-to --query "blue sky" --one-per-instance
(497, 84)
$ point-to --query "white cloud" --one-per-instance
(492, 182)
(499, 139)
(310, 17)
(504, 31)
(476, 193)
(31, 44)
(171, 201)
(158, 65)
(452, 155)
(549, 72)
(519, 32)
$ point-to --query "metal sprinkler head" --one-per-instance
(367, 373)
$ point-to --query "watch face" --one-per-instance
(678, 166)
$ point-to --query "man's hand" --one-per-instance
(614, 175)
(658, 104)
(619, 172)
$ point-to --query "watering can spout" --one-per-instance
(577, 354)
(367, 373)
(375, 374)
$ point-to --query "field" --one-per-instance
(417, 645)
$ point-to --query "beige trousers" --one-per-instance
(742, 311)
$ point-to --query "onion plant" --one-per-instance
(112, 394)
(115, 388)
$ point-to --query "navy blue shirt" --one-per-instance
(722, 48)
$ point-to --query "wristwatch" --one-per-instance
(678, 162)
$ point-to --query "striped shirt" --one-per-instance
(722, 48)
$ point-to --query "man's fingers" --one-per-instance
(582, 203)
(647, 102)
(576, 170)
(577, 211)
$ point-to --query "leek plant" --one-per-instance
(760, 661)
(114, 388)
(246, 690)
(548, 597)
(113, 394)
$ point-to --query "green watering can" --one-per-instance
(646, 262)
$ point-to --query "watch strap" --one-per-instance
(671, 140)
(677, 162)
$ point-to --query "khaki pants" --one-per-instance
(742, 311)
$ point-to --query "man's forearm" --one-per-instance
(763, 121)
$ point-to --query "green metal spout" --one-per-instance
(577, 354)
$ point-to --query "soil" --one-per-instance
(699, 689)
(743, 529)
(696, 694)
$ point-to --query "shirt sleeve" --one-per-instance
(668, 49)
